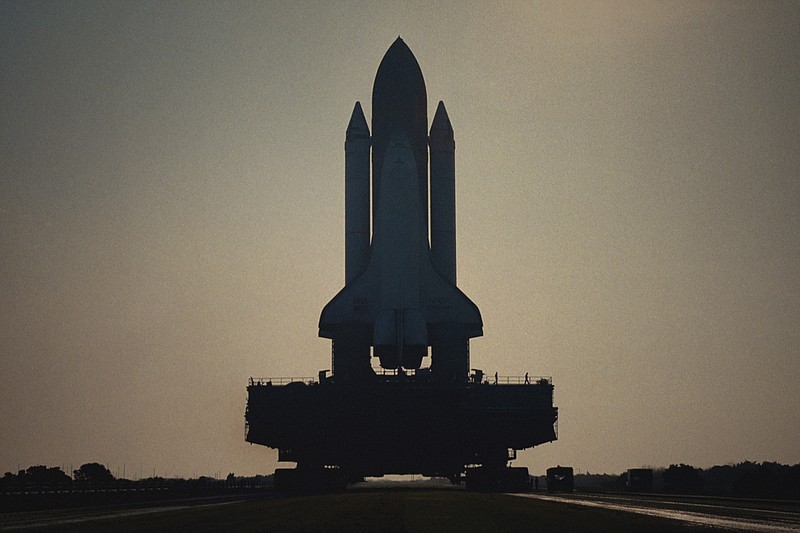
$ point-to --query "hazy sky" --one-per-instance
(171, 218)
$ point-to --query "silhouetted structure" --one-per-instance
(560, 479)
(399, 299)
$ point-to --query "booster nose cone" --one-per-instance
(399, 106)
(358, 124)
(441, 126)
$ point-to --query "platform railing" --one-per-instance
(280, 381)
(494, 379)
(517, 380)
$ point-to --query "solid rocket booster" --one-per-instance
(400, 295)
(443, 195)
(356, 193)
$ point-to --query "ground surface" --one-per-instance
(398, 510)
(753, 515)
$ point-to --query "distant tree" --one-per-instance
(793, 481)
(769, 480)
(684, 479)
(42, 474)
(8, 477)
(93, 473)
(722, 479)
(38, 474)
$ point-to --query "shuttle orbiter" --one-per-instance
(400, 295)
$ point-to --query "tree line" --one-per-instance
(747, 479)
(89, 473)
(41, 487)
(96, 473)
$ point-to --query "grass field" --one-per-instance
(397, 510)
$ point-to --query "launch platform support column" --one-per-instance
(356, 192)
(449, 355)
(443, 195)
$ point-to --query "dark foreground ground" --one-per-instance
(390, 510)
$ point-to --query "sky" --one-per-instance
(171, 218)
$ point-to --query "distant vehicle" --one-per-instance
(560, 479)
(640, 480)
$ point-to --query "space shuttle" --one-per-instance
(400, 302)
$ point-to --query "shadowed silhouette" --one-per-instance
(419, 410)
